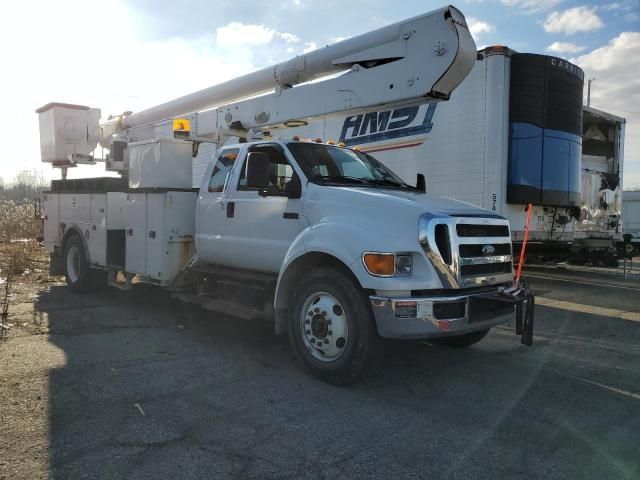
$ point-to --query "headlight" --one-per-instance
(388, 264)
(404, 264)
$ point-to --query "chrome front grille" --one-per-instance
(467, 251)
(474, 230)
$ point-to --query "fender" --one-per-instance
(322, 243)
(321, 238)
(319, 241)
(364, 233)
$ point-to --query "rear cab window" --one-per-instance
(224, 164)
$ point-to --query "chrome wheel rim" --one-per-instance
(324, 328)
(73, 264)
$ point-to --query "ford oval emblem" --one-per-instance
(488, 249)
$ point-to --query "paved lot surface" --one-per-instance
(121, 385)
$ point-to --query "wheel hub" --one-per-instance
(324, 326)
(319, 326)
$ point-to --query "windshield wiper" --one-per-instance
(386, 181)
(341, 179)
(382, 182)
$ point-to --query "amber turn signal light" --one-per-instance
(380, 263)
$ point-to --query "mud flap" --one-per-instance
(56, 264)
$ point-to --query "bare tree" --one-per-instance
(27, 185)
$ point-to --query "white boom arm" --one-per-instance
(401, 64)
(425, 56)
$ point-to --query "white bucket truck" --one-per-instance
(323, 239)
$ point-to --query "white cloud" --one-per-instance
(572, 20)
(479, 28)
(288, 37)
(310, 46)
(238, 33)
(532, 6)
(616, 89)
(564, 47)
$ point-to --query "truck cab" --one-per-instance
(337, 228)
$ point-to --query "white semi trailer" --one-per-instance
(324, 240)
(514, 132)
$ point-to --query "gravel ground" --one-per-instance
(129, 385)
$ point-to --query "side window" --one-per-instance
(223, 166)
(280, 171)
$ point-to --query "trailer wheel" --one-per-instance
(331, 329)
(77, 271)
(462, 341)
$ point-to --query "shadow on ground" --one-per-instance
(151, 389)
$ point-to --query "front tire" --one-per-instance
(462, 341)
(331, 329)
(77, 271)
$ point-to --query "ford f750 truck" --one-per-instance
(323, 239)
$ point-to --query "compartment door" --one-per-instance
(51, 221)
(155, 235)
(136, 234)
(179, 233)
(97, 240)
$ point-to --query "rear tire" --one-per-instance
(77, 271)
(462, 341)
(331, 328)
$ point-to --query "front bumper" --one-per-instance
(439, 316)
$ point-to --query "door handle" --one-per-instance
(231, 209)
(290, 215)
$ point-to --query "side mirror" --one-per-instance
(257, 170)
(421, 183)
(293, 188)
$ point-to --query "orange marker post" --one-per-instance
(524, 243)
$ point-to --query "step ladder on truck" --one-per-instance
(324, 240)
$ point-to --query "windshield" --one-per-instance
(327, 164)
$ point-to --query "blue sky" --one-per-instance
(518, 23)
(163, 49)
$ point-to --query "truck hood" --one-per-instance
(392, 199)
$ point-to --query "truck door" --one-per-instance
(212, 209)
(261, 225)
